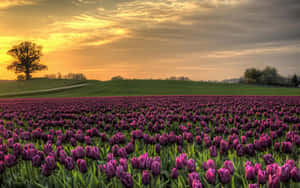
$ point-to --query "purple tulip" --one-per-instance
(109, 157)
(36, 161)
(240, 150)
(250, 173)
(179, 140)
(213, 151)
(157, 148)
(181, 161)
(45, 170)
(224, 146)
(2, 155)
(109, 169)
(163, 139)
(92, 152)
(120, 171)
(198, 140)
(207, 141)
(50, 162)
(142, 161)
(79, 152)
(253, 186)
(286, 147)
(295, 174)
(17, 149)
(127, 180)
(268, 158)
(261, 177)
(193, 176)
(73, 142)
(274, 181)
(172, 137)
(243, 139)
(191, 165)
(3, 148)
(257, 167)
(134, 162)
(224, 175)
(10, 160)
(122, 153)
(2, 167)
(88, 140)
(272, 169)
(82, 166)
(277, 146)
(48, 148)
(210, 176)
(146, 177)
(148, 163)
(284, 173)
(210, 164)
(250, 149)
(229, 165)
(174, 173)
(196, 184)
(129, 148)
(155, 168)
(123, 162)
(69, 163)
(179, 149)
(291, 163)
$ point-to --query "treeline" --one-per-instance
(179, 78)
(269, 76)
(70, 76)
(184, 78)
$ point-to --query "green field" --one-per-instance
(140, 87)
(34, 84)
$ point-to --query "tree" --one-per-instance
(117, 78)
(27, 59)
(75, 76)
(270, 76)
(59, 76)
(252, 75)
(295, 80)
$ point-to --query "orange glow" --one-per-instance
(135, 39)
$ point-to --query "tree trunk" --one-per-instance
(27, 75)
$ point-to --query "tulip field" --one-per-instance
(150, 141)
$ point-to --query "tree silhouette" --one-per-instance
(27, 59)
(252, 75)
(295, 80)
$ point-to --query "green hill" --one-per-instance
(9, 86)
(141, 87)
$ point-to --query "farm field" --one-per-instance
(141, 88)
(157, 141)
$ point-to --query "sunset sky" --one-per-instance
(201, 39)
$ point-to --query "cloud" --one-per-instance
(194, 33)
(255, 51)
(4, 4)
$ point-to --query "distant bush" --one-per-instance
(70, 76)
(75, 76)
(268, 76)
(117, 78)
(51, 76)
(179, 78)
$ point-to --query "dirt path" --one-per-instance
(41, 91)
